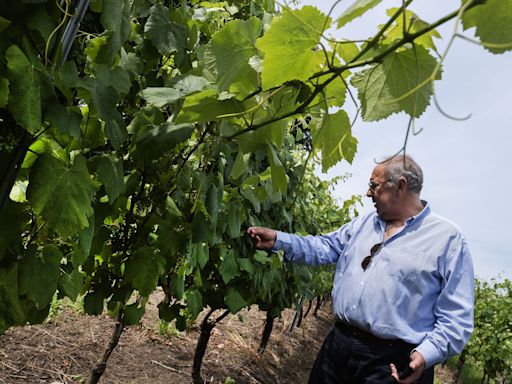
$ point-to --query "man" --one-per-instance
(403, 287)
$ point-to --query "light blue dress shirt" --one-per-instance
(419, 286)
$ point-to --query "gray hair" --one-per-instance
(404, 166)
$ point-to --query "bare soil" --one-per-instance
(65, 349)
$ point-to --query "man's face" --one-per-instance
(383, 193)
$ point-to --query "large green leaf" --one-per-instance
(61, 193)
(229, 267)
(71, 284)
(194, 302)
(240, 165)
(279, 180)
(232, 47)
(166, 35)
(289, 46)
(116, 19)
(492, 21)
(39, 274)
(205, 106)
(105, 99)
(334, 138)
(111, 175)
(133, 313)
(24, 97)
(154, 142)
(413, 25)
(162, 96)
(115, 77)
(234, 300)
(399, 83)
(65, 120)
(355, 10)
(143, 270)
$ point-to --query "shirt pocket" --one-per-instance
(407, 264)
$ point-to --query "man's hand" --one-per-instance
(417, 364)
(263, 238)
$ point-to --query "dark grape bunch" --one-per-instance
(302, 133)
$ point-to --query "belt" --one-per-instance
(360, 334)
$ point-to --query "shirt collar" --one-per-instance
(422, 214)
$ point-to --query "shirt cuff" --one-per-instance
(283, 243)
(429, 352)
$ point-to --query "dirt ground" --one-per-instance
(65, 349)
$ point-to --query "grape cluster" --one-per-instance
(302, 133)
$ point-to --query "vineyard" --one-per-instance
(140, 138)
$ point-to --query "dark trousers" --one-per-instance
(346, 358)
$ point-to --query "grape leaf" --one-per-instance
(11, 224)
(115, 17)
(234, 300)
(194, 302)
(205, 106)
(38, 277)
(240, 165)
(4, 23)
(111, 175)
(234, 221)
(279, 180)
(162, 96)
(229, 267)
(71, 284)
(355, 10)
(115, 77)
(105, 100)
(383, 89)
(492, 20)
(11, 312)
(334, 138)
(153, 143)
(200, 254)
(143, 270)
(4, 92)
(133, 313)
(166, 35)
(232, 47)
(61, 193)
(93, 302)
(65, 120)
(289, 46)
(24, 98)
(413, 25)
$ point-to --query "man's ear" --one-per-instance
(402, 184)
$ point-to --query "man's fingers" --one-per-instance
(394, 372)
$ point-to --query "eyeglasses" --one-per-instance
(373, 186)
(367, 260)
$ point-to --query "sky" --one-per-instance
(466, 164)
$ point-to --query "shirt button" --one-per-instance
(354, 306)
(362, 283)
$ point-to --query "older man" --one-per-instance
(403, 287)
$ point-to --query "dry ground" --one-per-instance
(63, 351)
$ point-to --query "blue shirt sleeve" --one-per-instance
(453, 309)
(314, 250)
